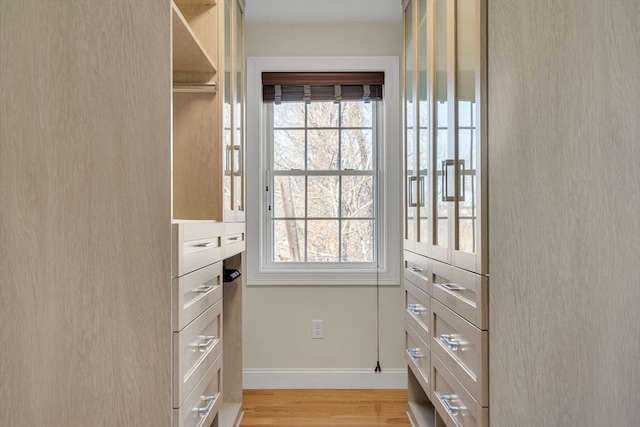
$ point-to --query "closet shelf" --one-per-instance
(188, 52)
(195, 87)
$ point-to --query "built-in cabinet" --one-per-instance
(123, 174)
(445, 231)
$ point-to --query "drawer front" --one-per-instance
(195, 245)
(454, 404)
(203, 404)
(194, 293)
(418, 357)
(463, 348)
(417, 310)
(417, 271)
(234, 239)
(194, 350)
(464, 292)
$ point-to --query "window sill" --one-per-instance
(321, 278)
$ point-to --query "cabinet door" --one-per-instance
(409, 109)
(469, 142)
(423, 126)
(238, 114)
(227, 124)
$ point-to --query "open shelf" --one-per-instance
(188, 53)
(421, 414)
(195, 88)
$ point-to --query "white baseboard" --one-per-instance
(324, 378)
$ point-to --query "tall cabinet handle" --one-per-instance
(413, 181)
(446, 185)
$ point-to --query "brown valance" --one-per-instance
(322, 86)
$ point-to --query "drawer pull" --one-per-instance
(451, 286)
(415, 353)
(206, 344)
(446, 401)
(206, 245)
(205, 410)
(204, 289)
(233, 238)
(451, 343)
(416, 308)
(416, 269)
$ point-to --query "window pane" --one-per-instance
(322, 241)
(357, 149)
(288, 115)
(322, 197)
(357, 196)
(357, 241)
(288, 241)
(323, 150)
(322, 115)
(288, 196)
(356, 114)
(288, 149)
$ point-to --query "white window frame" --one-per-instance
(260, 272)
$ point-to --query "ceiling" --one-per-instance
(323, 10)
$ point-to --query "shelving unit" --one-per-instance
(188, 53)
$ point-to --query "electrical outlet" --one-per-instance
(317, 329)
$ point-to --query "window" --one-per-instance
(321, 186)
(321, 208)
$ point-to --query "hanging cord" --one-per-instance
(377, 368)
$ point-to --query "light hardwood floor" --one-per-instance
(324, 408)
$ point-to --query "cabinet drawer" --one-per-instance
(234, 239)
(464, 292)
(194, 349)
(195, 244)
(417, 270)
(463, 348)
(454, 404)
(417, 312)
(195, 292)
(418, 356)
(204, 402)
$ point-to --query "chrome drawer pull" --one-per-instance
(205, 345)
(206, 410)
(233, 238)
(416, 269)
(415, 353)
(416, 308)
(204, 289)
(451, 343)
(451, 286)
(446, 401)
(205, 245)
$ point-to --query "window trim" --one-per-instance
(388, 272)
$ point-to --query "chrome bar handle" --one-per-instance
(415, 353)
(204, 411)
(204, 289)
(205, 245)
(206, 343)
(413, 180)
(416, 269)
(446, 164)
(416, 308)
(446, 401)
(461, 176)
(451, 286)
(451, 343)
(421, 197)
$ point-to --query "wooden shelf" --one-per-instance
(188, 53)
(230, 415)
(197, 2)
(195, 88)
(421, 414)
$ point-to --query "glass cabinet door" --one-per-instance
(226, 114)
(441, 182)
(411, 178)
(423, 137)
(238, 115)
(468, 36)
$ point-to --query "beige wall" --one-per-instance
(277, 319)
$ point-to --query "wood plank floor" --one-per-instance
(321, 408)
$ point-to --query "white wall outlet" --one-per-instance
(317, 331)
